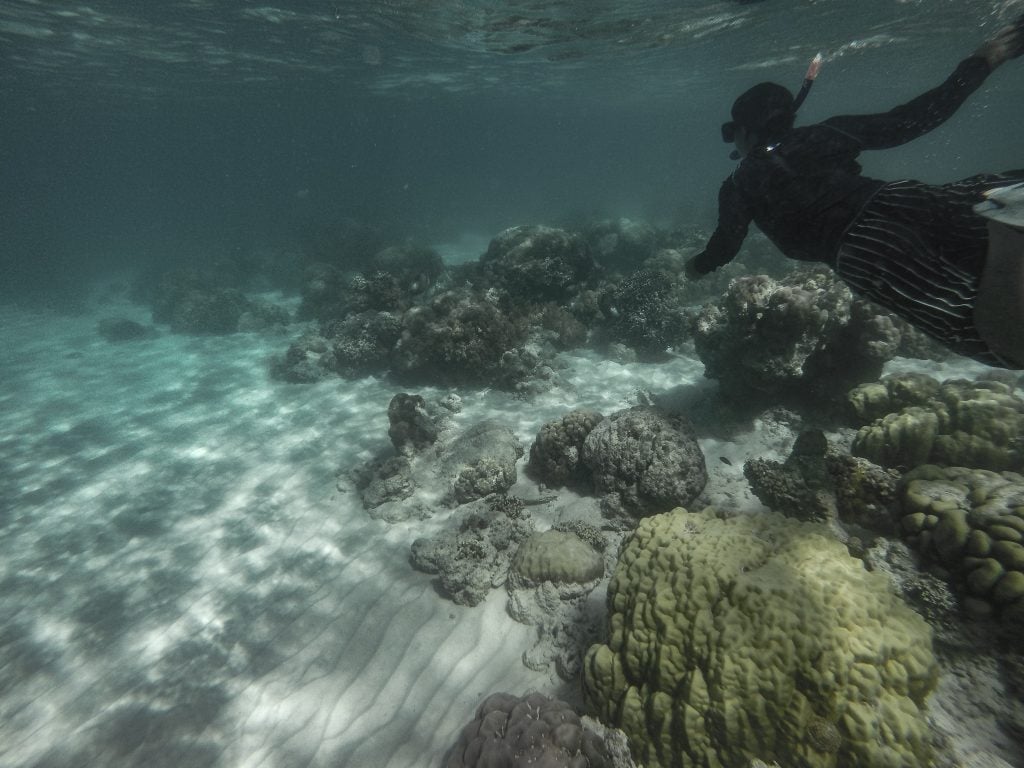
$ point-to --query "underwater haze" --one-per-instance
(141, 132)
(215, 214)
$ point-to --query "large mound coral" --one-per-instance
(758, 636)
(972, 522)
(958, 423)
(795, 336)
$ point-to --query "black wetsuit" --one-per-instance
(916, 249)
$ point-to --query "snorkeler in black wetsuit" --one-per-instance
(917, 249)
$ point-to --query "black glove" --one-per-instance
(690, 268)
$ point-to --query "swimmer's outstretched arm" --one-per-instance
(733, 222)
(929, 110)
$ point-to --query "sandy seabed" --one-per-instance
(183, 583)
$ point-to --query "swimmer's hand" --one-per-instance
(1006, 44)
(690, 268)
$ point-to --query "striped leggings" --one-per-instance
(919, 251)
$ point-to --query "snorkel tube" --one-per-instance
(812, 73)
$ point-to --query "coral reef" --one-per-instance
(758, 635)
(866, 494)
(794, 337)
(801, 487)
(534, 730)
(474, 558)
(390, 282)
(534, 264)
(459, 338)
(644, 312)
(876, 399)
(560, 557)
(644, 461)
(818, 482)
(384, 480)
(558, 326)
(556, 455)
(363, 343)
(411, 428)
(481, 461)
(415, 268)
(956, 423)
(971, 521)
(551, 586)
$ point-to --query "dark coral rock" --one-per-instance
(866, 494)
(537, 264)
(415, 268)
(411, 427)
(363, 343)
(117, 329)
(374, 291)
(802, 486)
(644, 313)
(458, 338)
(645, 460)
(535, 731)
(389, 285)
(794, 337)
(556, 456)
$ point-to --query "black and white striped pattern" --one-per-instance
(919, 251)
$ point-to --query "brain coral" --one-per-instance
(972, 522)
(758, 635)
(557, 556)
